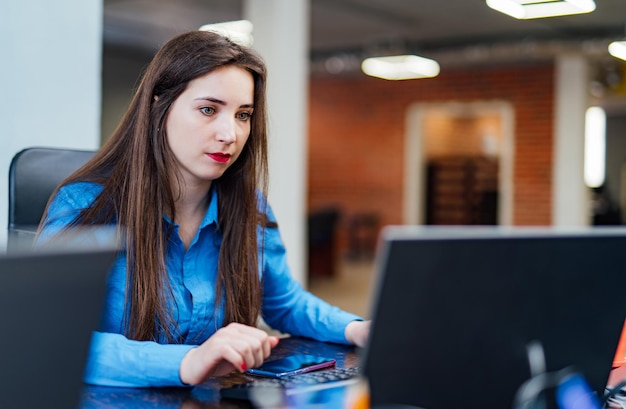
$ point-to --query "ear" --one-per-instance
(156, 97)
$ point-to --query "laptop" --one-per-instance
(460, 313)
(50, 302)
(458, 310)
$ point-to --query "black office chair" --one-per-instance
(33, 174)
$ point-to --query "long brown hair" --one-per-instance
(134, 167)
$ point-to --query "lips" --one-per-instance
(219, 157)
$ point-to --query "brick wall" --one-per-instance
(357, 135)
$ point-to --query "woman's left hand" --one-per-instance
(357, 332)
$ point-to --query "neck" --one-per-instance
(194, 199)
(190, 210)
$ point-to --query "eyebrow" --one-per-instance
(220, 102)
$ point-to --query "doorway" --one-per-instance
(459, 164)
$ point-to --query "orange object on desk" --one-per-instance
(620, 353)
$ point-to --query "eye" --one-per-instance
(243, 116)
(207, 110)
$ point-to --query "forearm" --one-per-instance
(305, 314)
(114, 360)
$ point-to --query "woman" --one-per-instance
(184, 177)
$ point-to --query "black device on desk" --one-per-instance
(291, 375)
(50, 302)
(458, 308)
(292, 365)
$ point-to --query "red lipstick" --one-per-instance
(219, 157)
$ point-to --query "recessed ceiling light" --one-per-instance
(618, 49)
(239, 31)
(400, 67)
(528, 9)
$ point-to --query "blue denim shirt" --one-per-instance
(115, 360)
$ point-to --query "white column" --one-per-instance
(570, 197)
(281, 29)
(51, 70)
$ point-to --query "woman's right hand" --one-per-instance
(235, 347)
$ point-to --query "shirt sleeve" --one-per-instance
(288, 307)
(115, 360)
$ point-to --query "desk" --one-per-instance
(206, 395)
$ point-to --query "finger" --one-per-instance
(259, 341)
(251, 348)
(254, 344)
(274, 341)
(235, 358)
(233, 346)
(268, 345)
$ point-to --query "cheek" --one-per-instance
(245, 138)
(181, 132)
(245, 133)
(170, 139)
(177, 141)
(242, 141)
(171, 132)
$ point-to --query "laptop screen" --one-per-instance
(456, 309)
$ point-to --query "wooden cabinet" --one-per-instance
(462, 190)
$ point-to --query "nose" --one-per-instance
(226, 130)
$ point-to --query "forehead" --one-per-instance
(228, 81)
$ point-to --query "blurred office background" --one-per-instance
(498, 137)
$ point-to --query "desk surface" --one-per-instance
(206, 395)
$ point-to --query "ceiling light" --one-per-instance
(239, 31)
(528, 9)
(595, 147)
(400, 67)
(618, 49)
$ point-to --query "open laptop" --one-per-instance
(456, 309)
(50, 302)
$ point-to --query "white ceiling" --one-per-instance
(455, 28)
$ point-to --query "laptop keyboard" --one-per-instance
(295, 384)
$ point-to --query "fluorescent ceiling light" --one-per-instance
(618, 49)
(400, 67)
(527, 9)
(239, 31)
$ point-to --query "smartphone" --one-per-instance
(291, 365)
